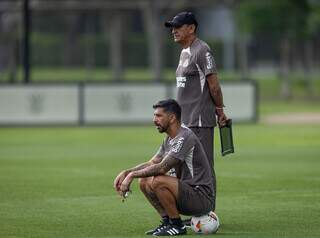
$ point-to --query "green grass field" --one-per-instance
(57, 182)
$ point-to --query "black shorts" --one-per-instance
(194, 201)
(206, 136)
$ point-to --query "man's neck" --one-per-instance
(173, 130)
(188, 41)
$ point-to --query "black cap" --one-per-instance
(182, 18)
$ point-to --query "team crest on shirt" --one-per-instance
(177, 144)
(184, 63)
(209, 59)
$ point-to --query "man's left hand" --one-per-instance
(222, 118)
(125, 185)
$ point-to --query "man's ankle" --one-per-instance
(176, 221)
(165, 219)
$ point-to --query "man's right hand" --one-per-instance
(119, 179)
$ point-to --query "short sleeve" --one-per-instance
(160, 151)
(181, 147)
(206, 61)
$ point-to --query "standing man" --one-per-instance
(199, 92)
(191, 192)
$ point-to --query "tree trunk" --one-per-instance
(284, 69)
(89, 47)
(308, 66)
(116, 35)
(70, 49)
(154, 30)
(13, 59)
(228, 54)
(243, 56)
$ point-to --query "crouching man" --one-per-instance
(191, 192)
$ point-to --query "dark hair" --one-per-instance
(169, 105)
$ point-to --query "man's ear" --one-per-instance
(192, 28)
(172, 117)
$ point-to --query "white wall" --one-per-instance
(105, 103)
(39, 104)
(121, 103)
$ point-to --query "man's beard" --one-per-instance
(162, 129)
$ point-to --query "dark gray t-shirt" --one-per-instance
(196, 62)
(194, 169)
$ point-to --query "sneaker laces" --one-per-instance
(161, 226)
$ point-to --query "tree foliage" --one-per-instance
(314, 20)
(275, 17)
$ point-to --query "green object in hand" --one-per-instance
(226, 138)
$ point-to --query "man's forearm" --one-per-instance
(139, 167)
(155, 160)
(149, 171)
(156, 169)
(216, 94)
(215, 90)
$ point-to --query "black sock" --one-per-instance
(165, 219)
(176, 221)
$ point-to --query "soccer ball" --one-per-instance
(206, 224)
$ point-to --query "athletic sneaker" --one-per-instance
(159, 228)
(187, 222)
(171, 230)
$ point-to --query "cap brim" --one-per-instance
(171, 24)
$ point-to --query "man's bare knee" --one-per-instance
(165, 182)
(144, 183)
(158, 182)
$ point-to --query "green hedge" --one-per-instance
(48, 50)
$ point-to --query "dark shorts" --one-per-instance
(194, 201)
(206, 136)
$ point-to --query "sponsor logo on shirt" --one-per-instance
(181, 82)
(209, 59)
(177, 144)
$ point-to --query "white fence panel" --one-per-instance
(240, 100)
(121, 103)
(39, 104)
(106, 103)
